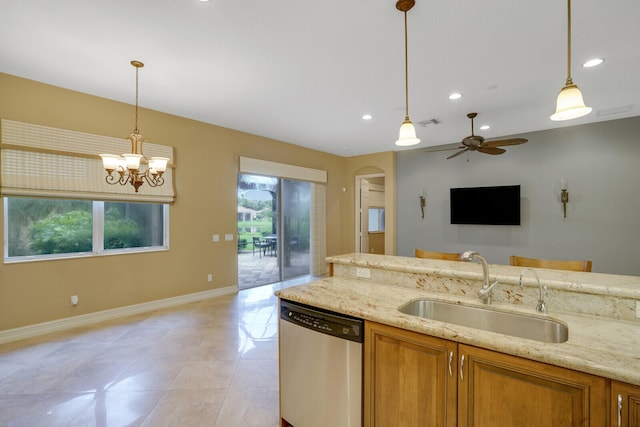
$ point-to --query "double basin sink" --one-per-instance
(518, 325)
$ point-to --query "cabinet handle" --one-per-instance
(461, 366)
(619, 410)
(450, 363)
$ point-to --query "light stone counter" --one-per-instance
(604, 334)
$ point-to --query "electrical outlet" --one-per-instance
(228, 237)
(365, 273)
(74, 299)
(209, 277)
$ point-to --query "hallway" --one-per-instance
(208, 363)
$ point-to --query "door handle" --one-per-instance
(461, 367)
(619, 410)
(450, 363)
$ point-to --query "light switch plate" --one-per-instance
(365, 273)
(228, 237)
(216, 237)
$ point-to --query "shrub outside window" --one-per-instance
(38, 228)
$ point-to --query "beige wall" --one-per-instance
(206, 159)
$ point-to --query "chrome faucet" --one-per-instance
(487, 289)
(542, 305)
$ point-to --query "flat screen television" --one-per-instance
(486, 205)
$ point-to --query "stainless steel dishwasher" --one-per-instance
(320, 367)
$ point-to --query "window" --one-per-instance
(37, 228)
(376, 219)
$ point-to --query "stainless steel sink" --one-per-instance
(517, 325)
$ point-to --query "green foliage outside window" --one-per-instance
(56, 226)
(62, 233)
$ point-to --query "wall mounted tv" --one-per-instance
(486, 205)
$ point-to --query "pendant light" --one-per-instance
(570, 104)
(407, 130)
(129, 165)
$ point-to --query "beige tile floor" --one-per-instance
(209, 363)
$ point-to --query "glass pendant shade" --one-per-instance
(570, 104)
(110, 161)
(407, 134)
(158, 164)
(133, 161)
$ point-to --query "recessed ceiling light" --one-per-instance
(485, 127)
(455, 95)
(366, 117)
(593, 62)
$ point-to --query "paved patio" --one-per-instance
(255, 270)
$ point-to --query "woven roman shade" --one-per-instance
(41, 161)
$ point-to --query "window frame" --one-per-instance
(97, 241)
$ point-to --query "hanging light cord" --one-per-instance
(406, 68)
(569, 81)
(135, 130)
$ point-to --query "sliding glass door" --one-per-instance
(274, 217)
(296, 228)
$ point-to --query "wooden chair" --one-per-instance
(437, 255)
(580, 265)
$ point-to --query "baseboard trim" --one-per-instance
(16, 334)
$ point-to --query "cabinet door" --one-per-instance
(496, 389)
(408, 380)
(625, 406)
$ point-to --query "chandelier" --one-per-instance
(569, 104)
(131, 167)
(407, 135)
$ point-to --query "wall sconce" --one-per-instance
(564, 196)
(423, 203)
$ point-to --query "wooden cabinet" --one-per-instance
(496, 389)
(416, 380)
(407, 380)
(625, 405)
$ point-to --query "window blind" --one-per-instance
(41, 161)
(281, 170)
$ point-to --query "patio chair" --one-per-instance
(260, 245)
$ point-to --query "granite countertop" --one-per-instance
(601, 346)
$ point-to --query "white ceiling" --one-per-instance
(305, 71)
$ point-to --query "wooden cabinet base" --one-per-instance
(406, 380)
(412, 380)
(625, 405)
(508, 391)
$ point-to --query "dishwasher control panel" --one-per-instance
(330, 323)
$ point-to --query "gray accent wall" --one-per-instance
(601, 163)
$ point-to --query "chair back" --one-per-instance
(554, 264)
(420, 253)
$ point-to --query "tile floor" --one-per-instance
(208, 363)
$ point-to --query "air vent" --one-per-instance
(615, 110)
(429, 123)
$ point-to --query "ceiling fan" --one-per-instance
(477, 143)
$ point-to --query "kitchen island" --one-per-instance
(599, 309)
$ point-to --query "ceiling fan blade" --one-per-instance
(504, 142)
(491, 150)
(458, 153)
(443, 148)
